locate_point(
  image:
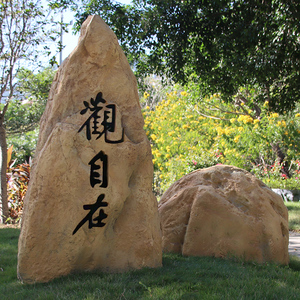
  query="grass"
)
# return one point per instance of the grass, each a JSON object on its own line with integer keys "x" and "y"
{"x": 179, "y": 278}
{"x": 294, "y": 215}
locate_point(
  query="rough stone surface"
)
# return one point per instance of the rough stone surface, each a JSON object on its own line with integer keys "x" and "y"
{"x": 224, "y": 211}
{"x": 62, "y": 173}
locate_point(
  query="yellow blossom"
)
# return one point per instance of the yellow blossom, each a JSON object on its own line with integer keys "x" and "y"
{"x": 266, "y": 104}
{"x": 236, "y": 139}
{"x": 232, "y": 120}
{"x": 227, "y": 131}
{"x": 297, "y": 115}
{"x": 168, "y": 155}
{"x": 245, "y": 119}
{"x": 274, "y": 115}
{"x": 146, "y": 95}
{"x": 184, "y": 93}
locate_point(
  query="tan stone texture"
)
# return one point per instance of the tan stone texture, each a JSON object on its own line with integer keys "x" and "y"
{"x": 60, "y": 180}
{"x": 224, "y": 211}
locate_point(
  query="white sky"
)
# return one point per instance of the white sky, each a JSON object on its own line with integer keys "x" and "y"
{"x": 70, "y": 40}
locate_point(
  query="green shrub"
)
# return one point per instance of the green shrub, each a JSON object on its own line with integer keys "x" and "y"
{"x": 187, "y": 134}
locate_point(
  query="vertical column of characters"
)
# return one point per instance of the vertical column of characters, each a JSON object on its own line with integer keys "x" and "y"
{"x": 106, "y": 114}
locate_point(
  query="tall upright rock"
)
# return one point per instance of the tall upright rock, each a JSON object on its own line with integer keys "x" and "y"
{"x": 89, "y": 203}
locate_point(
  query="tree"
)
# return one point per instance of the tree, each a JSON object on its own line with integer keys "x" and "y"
{"x": 27, "y": 107}
{"x": 25, "y": 110}
{"x": 222, "y": 45}
{"x": 22, "y": 30}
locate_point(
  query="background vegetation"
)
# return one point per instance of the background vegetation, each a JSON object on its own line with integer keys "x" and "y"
{"x": 228, "y": 91}
{"x": 188, "y": 132}
{"x": 229, "y": 95}
{"x": 220, "y": 45}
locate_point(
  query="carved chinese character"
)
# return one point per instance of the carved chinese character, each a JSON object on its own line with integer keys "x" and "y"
{"x": 93, "y": 222}
{"x": 106, "y": 113}
{"x": 99, "y": 162}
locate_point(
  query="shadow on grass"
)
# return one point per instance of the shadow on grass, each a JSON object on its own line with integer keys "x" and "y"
{"x": 294, "y": 263}
{"x": 293, "y": 206}
{"x": 294, "y": 224}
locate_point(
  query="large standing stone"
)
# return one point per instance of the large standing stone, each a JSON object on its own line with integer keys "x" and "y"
{"x": 90, "y": 204}
{"x": 222, "y": 211}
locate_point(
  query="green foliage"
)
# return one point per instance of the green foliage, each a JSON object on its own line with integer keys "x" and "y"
{"x": 222, "y": 45}
{"x": 179, "y": 278}
{"x": 24, "y": 145}
{"x": 184, "y": 138}
{"x": 25, "y": 111}
{"x": 23, "y": 114}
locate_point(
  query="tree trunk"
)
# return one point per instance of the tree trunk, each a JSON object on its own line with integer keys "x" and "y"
{"x": 3, "y": 168}
{"x": 280, "y": 159}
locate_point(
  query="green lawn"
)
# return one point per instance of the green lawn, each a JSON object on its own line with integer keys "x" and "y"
{"x": 294, "y": 215}
{"x": 179, "y": 278}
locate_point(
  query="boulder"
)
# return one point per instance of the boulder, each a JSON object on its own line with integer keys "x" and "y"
{"x": 90, "y": 204}
{"x": 224, "y": 211}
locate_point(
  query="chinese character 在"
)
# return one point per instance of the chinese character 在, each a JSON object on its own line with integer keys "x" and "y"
{"x": 97, "y": 221}
{"x": 101, "y": 121}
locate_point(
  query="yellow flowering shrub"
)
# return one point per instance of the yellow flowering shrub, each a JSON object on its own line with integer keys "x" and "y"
{"x": 184, "y": 139}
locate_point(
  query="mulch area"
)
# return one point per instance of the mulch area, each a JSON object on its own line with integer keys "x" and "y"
{"x": 9, "y": 226}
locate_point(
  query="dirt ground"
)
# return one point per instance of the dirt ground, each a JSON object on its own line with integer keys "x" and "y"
{"x": 10, "y": 226}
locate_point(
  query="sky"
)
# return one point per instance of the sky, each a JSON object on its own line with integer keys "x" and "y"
{"x": 70, "y": 40}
